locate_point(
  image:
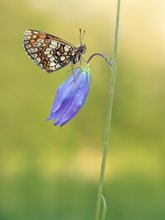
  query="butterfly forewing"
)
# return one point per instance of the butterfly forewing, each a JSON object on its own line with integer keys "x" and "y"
{"x": 50, "y": 53}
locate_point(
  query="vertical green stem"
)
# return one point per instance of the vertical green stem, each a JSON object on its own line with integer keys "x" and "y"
{"x": 108, "y": 117}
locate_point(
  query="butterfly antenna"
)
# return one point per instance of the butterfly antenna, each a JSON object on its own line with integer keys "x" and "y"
{"x": 80, "y": 36}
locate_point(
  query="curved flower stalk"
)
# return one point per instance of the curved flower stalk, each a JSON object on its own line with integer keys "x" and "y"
{"x": 71, "y": 96}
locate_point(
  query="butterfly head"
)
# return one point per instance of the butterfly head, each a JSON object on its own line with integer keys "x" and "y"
{"x": 82, "y": 48}
{"x": 79, "y": 50}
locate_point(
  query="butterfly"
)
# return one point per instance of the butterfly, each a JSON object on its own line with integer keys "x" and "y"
{"x": 51, "y": 53}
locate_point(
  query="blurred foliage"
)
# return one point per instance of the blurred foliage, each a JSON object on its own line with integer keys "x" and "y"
{"x": 50, "y": 172}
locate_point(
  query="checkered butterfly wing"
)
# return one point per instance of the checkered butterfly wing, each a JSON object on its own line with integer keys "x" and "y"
{"x": 50, "y": 53}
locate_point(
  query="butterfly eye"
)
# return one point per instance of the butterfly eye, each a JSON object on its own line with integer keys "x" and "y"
{"x": 82, "y": 49}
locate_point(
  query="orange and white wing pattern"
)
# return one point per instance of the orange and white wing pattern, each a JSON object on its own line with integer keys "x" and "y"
{"x": 50, "y": 53}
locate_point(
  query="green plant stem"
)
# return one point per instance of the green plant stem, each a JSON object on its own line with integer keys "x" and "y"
{"x": 101, "y": 55}
{"x": 108, "y": 117}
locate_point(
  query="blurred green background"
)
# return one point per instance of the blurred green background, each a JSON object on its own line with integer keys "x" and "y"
{"x": 49, "y": 172}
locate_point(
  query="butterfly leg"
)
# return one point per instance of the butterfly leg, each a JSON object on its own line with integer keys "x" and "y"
{"x": 80, "y": 61}
{"x": 74, "y": 77}
{"x": 82, "y": 58}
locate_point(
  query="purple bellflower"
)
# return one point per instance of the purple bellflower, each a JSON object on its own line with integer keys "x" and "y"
{"x": 71, "y": 96}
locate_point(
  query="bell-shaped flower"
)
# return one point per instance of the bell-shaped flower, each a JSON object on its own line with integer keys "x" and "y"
{"x": 71, "y": 96}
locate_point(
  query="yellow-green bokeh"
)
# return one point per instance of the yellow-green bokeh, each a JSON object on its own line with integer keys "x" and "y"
{"x": 52, "y": 173}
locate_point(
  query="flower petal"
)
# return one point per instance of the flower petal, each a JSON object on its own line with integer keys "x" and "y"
{"x": 70, "y": 97}
{"x": 63, "y": 91}
{"x": 75, "y": 105}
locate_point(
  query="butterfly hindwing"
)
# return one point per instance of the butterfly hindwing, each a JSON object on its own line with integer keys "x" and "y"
{"x": 50, "y": 53}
